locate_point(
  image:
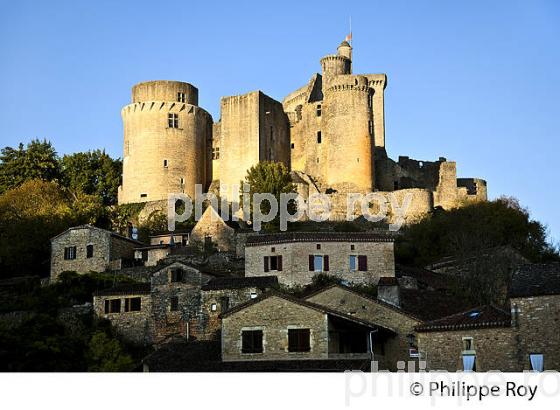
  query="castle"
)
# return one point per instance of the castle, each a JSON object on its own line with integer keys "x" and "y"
{"x": 330, "y": 133}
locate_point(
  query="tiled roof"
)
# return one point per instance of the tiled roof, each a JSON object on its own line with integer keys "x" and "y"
{"x": 305, "y": 303}
{"x": 480, "y": 317}
{"x": 431, "y": 304}
{"x": 285, "y": 237}
{"x": 261, "y": 282}
{"x": 426, "y": 278}
{"x": 537, "y": 279}
{"x": 87, "y": 226}
{"x": 125, "y": 289}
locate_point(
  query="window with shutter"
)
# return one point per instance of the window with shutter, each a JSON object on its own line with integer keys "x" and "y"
{"x": 311, "y": 262}
{"x": 362, "y": 263}
{"x": 299, "y": 340}
{"x": 279, "y": 262}
{"x": 106, "y": 306}
{"x": 251, "y": 341}
{"x": 266, "y": 263}
{"x": 326, "y": 263}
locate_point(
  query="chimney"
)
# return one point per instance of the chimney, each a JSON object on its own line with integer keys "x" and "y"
{"x": 388, "y": 291}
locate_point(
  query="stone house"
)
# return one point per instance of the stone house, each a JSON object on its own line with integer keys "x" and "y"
{"x": 86, "y": 248}
{"x": 298, "y": 256}
{"x": 212, "y": 230}
{"x": 492, "y": 338}
{"x": 150, "y": 255}
{"x": 129, "y": 308}
{"x": 401, "y": 347}
{"x": 222, "y": 294}
{"x": 179, "y": 303}
{"x": 276, "y": 326}
{"x": 171, "y": 238}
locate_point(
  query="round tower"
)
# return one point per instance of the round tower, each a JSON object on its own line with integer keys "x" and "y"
{"x": 165, "y": 137}
{"x": 339, "y": 63}
{"x": 348, "y": 127}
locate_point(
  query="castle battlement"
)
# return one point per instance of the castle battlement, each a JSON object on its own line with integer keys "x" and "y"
{"x": 331, "y": 130}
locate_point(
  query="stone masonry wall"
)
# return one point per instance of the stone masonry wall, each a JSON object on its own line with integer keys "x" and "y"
{"x": 538, "y": 328}
{"x": 346, "y": 301}
{"x": 80, "y": 238}
{"x": 274, "y": 316}
{"x": 496, "y": 349}
{"x": 295, "y": 261}
{"x": 135, "y": 327}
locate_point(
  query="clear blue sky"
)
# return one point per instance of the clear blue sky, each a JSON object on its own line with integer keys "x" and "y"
{"x": 474, "y": 81}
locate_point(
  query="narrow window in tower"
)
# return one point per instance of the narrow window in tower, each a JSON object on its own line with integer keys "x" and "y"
{"x": 182, "y": 181}
{"x": 370, "y": 126}
{"x": 292, "y": 145}
{"x": 173, "y": 120}
{"x": 318, "y": 110}
{"x": 318, "y": 137}
{"x": 165, "y": 163}
{"x": 181, "y": 97}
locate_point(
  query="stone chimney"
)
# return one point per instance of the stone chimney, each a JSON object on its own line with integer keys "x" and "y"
{"x": 388, "y": 291}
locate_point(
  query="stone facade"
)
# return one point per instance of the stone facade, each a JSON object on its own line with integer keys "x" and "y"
{"x": 211, "y": 229}
{"x": 291, "y": 257}
{"x": 538, "y": 321}
{"x": 331, "y": 131}
{"x": 274, "y": 316}
{"x": 167, "y": 139}
{"x": 495, "y": 349}
{"x": 86, "y": 249}
{"x": 344, "y": 300}
{"x": 131, "y": 320}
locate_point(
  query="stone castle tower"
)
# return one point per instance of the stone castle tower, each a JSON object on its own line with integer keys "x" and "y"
{"x": 330, "y": 133}
{"x": 166, "y": 142}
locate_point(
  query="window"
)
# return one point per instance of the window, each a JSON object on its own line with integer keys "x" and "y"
{"x": 224, "y": 303}
{"x": 352, "y": 247}
{"x": 253, "y": 295}
{"x": 318, "y": 137}
{"x": 181, "y": 97}
{"x": 165, "y": 163}
{"x": 216, "y": 153}
{"x": 70, "y": 252}
{"x": 112, "y": 306}
{"x": 469, "y": 363}
{"x": 177, "y": 275}
{"x": 319, "y": 263}
{"x": 89, "y": 251}
{"x": 273, "y": 263}
{"x": 318, "y": 246}
{"x": 298, "y": 340}
{"x": 318, "y": 110}
{"x": 353, "y": 262}
{"x": 370, "y": 126}
{"x": 132, "y": 304}
{"x": 537, "y": 362}
{"x": 174, "y": 304}
{"x": 362, "y": 263}
{"x": 468, "y": 344}
{"x": 182, "y": 181}
{"x": 173, "y": 120}
{"x": 292, "y": 145}
{"x": 273, "y": 249}
{"x": 213, "y": 307}
{"x": 251, "y": 341}
{"x": 143, "y": 195}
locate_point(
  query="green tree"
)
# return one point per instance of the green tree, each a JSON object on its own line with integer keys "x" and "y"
{"x": 273, "y": 178}
{"x": 92, "y": 173}
{"x": 33, "y": 213}
{"x": 106, "y": 354}
{"x": 36, "y": 161}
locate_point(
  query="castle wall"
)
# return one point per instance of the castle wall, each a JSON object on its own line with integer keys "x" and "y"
{"x": 254, "y": 128}
{"x": 158, "y": 158}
